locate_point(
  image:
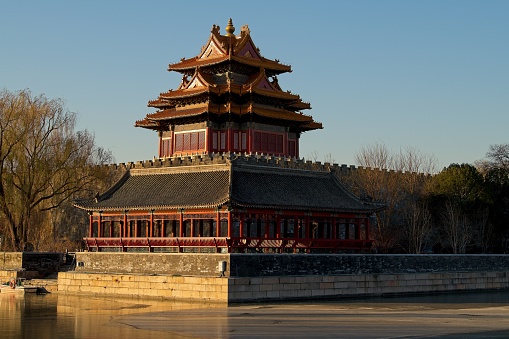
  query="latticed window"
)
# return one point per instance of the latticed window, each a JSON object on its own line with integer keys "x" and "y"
{"x": 223, "y": 141}
{"x": 190, "y": 141}
{"x": 268, "y": 143}
{"x": 236, "y": 141}
{"x": 214, "y": 141}
{"x": 165, "y": 147}
{"x": 179, "y": 142}
{"x": 244, "y": 141}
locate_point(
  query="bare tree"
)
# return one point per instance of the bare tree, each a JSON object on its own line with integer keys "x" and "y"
{"x": 419, "y": 225}
{"x": 457, "y": 227}
{"x": 43, "y": 161}
{"x": 397, "y": 179}
{"x": 329, "y": 158}
{"x": 313, "y": 155}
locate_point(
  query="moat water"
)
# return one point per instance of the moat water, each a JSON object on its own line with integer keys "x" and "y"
{"x": 468, "y": 315}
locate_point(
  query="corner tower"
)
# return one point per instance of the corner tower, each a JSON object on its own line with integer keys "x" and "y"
{"x": 229, "y": 100}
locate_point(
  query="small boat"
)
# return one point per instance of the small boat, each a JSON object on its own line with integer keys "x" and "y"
{"x": 17, "y": 286}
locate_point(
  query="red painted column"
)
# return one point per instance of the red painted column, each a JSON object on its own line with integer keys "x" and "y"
{"x": 151, "y": 228}
{"x": 228, "y": 139}
{"x": 112, "y": 224}
{"x": 172, "y": 143}
{"x": 192, "y": 228}
{"x": 124, "y": 229}
{"x": 181, "y": 224}
{"x": 218, "y": 224}
{"x": 230, "y": 224}
{"x": 241, "y": 225}
{"x": 249, "y": 140}
{"x": 99, "y": 227}
{"x": 91, "y": 226}
{"x": 160, "y": 147}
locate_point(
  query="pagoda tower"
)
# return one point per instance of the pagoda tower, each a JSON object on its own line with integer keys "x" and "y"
{"x": 228, "y": 177}
{"x": 229, "y": 100}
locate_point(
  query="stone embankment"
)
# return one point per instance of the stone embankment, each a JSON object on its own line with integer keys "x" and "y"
{"x": 265, "y": 277}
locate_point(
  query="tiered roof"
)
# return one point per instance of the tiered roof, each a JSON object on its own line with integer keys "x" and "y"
{"x": 229, "y": 78}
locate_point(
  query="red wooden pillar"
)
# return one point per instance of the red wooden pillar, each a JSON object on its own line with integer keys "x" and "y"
{"x": 91, "y": 226}
{"x": 229, "y": 139}
{"x": 249, "y": 140}
{"x": 241, "y": 225}
{"x": 99, "y": 227}
{"x": 112, "y": 224}
{"x": 230, "y": 224}
{"x": 151, "y": 228}
{"x": 192, "y": 228}
{"x": 160, "y": 150}
{"x": 124, "y": 228}
{"x": 218, "y": 224}
{"x": 181, "y": 224}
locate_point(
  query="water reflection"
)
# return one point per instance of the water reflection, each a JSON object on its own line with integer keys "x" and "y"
{"x": 468, "y": 315}
{"x": 67, "y": 316}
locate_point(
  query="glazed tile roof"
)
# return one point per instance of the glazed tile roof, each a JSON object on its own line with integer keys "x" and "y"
{"x": 258, "y": 187}
{"x": 243, "y": 186}
{"x": 146, "y": 190}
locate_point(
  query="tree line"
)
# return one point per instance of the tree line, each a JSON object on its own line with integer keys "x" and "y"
{"x": 464, "y": 208}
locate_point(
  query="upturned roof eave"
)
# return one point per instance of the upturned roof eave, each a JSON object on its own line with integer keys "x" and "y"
{"x": 146, "y": 207}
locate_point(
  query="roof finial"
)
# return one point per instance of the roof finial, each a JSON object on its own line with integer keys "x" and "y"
{"x": 229, "y": 28}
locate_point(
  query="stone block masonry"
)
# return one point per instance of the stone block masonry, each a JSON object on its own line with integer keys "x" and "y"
{"x": 211, "y": 289}
{"x": 267, "y": 277}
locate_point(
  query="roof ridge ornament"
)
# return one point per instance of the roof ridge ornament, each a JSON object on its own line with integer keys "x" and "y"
{"x": 229, "y": 28}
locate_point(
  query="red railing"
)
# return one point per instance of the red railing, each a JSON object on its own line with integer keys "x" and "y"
{"x": 229, "y": 245}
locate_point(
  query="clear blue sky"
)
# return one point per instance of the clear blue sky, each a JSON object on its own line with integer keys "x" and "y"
{"x": 433, "y": 75}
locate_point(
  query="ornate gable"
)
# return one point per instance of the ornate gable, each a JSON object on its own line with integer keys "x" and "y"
{"x": 212, "y": 49}
{"x": 248, "y": 50}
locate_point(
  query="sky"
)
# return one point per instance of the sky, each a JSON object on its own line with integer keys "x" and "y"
{"x": 428, "y": 75}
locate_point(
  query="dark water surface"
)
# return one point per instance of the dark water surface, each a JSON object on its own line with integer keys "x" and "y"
{"x": 469, "y": 315}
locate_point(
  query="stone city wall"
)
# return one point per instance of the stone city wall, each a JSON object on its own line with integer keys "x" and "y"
{"x": 336, "y": 286}
{"x": 265, "y": 277}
